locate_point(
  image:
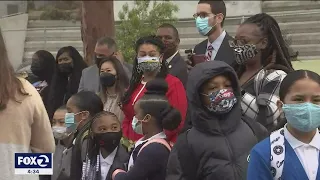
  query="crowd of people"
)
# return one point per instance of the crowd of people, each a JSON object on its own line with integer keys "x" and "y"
{"x": 219, "y": 114}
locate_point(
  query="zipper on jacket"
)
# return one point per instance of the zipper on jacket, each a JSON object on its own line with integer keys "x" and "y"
{"x": 232, "y": 155}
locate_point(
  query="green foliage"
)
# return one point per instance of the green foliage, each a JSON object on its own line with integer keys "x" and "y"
{"x": 141, "y": 20}
{"x": 30, "y": 5}
{"x": 61, "y": 10}
{"x": 52, "y": 13}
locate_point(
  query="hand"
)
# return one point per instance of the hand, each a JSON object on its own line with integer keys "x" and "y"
{"x": 119, "y": 56}
{"x": 189, "y": 61}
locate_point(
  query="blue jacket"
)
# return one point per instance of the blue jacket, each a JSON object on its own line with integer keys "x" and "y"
{"x": 259, "y": 163}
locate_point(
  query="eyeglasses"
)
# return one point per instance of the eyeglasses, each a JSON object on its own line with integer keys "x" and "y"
{"x": 202, "y": 15}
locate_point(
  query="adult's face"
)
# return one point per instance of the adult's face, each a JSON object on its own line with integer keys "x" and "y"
{"x": 65, "y": 63}
{"x": 214, "y": 20}
{"x": 251, "y": 34}
{"x": 64, "y": 58}
{"x": 102, "y": 51}
{"x": 37, "y": 67}
{"x": 169, "y": 39}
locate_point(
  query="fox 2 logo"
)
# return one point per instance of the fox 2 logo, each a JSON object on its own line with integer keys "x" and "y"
{"x": 33, "y": 160}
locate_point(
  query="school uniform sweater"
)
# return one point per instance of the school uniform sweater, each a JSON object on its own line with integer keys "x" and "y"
{"x": 150, "y": 164}
{"x": 176, "y": 96}
{"x": 24, "y": 127}
{"x": 259, "y": 163}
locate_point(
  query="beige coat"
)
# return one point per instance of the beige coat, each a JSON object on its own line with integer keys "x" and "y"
{"x": 24, "y": 127}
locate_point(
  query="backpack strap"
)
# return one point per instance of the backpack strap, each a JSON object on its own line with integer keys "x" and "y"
{"x": 277, "y": 153}
{"x": 157, "y": 140}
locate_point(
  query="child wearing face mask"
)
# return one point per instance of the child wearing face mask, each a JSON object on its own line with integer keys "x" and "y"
{"x": 153, "y": 114}
{"x": 105, "y": 153}
{"x": 63, "y": 142}
{"x": 294, "y": 149}
{"x": 217, "y": 145}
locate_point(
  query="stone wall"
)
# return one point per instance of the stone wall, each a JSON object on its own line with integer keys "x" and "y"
{"x": 14, "y": 30}
{"x": 22, "y": 7}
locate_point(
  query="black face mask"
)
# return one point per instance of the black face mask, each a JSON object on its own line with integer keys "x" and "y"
{"x": 37, "y": 70}
{"x": 107, "y": 79}
{"x": 98, "y": 60}
{"x": 108, "y": 141}
{"x": 66, "y": 68}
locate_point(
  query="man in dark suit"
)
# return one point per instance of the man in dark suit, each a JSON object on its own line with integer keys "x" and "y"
{"x": 176, "y": 64}
{"x": 105, "y": 47}
{"x": 210, "y": 18}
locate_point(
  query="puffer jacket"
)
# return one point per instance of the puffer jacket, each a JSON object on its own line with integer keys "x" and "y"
{"x": 217, "y": 146}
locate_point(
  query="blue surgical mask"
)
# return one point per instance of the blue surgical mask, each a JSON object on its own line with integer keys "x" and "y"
{"x": 136, "y": 126}
{"x": 304, "y": 117}
{"x": 203, "y": 25}
{"x": 70, "y": 122}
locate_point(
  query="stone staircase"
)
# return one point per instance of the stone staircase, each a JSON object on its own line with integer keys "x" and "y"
{"x": 299, "y": 19}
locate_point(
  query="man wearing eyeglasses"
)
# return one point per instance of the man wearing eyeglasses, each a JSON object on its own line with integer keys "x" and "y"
{"x": 209, "y": 19}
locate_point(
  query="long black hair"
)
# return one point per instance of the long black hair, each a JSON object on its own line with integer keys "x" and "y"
{"x": 122, "y": 81}
{"x": 155, "y": 103}
{"x": 276, "y": 55}
{"x": 137, "y": 75}
{"x": 48, "y": 61}
{"x": 62, "y": 88}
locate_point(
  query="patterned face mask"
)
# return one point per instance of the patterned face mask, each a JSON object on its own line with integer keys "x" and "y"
{"x": 243, "y": 53}
{"x": 221, "y": 101}
{"x": 148, "y": 64}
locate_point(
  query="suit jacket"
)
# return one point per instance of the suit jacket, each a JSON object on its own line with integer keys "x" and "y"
{"x": 178, "y": 68}
{"x": 225, "y": 52}
{"x": 119, "y": 161}
{"x": 90, "y": 80}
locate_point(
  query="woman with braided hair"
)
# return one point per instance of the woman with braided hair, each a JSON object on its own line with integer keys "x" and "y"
{"x": 147, "y": 66}
{"x": 263, "y": 60}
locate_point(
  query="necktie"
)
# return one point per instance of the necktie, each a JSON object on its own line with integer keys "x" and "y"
{"x": 209, "y": 52}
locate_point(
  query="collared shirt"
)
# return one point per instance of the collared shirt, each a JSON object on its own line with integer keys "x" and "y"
{"x": 161, "y": 135}
{"x": 171, "y": 57}
{"x": 106, "y": 163}
{"x": 308, "y": 154}
{"x": 216, "y": 45}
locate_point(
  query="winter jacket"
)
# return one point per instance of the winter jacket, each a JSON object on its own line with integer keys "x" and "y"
{"x": 217, "y": 146}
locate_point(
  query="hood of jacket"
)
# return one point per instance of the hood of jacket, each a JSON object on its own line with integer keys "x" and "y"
{"x": 202, "y": 119}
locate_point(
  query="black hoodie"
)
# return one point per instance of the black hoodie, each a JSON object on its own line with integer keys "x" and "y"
{"x": 217, "y": 145}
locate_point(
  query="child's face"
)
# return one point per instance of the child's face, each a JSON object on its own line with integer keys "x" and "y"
{"x": 214, "y": 84}
{"x": 106, "y": 123}
{"x": 58, "y": 118}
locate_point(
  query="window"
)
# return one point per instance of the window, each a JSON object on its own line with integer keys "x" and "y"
{"x": 12, "y": 9}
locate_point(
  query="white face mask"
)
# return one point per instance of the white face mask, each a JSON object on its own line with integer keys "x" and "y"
{"x": 148, "y": 59}
{"x": 59, "y": 132}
